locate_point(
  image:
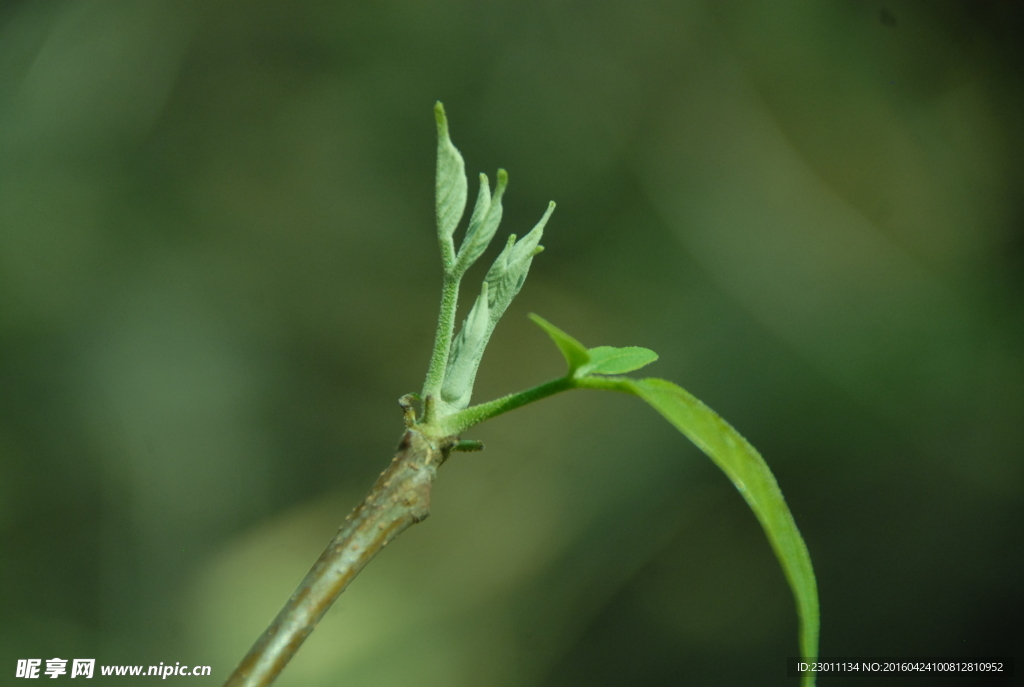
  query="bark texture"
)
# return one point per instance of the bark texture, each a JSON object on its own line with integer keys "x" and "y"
{"x": 399, "y": 498}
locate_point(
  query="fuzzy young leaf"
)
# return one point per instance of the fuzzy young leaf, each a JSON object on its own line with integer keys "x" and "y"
{"x": 500, "y": 286}
{"x": 467, "y": 350}
{"x": 750, "y": 474}
{"x": 610, "y": 360}
{"x": 483, "y": 204}
{"x": 510, "y": 268}
{"x": 575, "y": 353}
{"x": 483, "y": 223}
{"x": 451, "y": 190}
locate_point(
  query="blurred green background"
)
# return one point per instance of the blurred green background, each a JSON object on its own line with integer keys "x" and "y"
{"x": 218, "y": 272}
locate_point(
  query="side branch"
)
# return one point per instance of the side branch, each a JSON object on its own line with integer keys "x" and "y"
{"x": 399, "y": 498}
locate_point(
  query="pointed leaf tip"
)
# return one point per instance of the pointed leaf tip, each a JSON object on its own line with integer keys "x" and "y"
{"x": 575, "y": 353}
{"x": 451, "y": 184}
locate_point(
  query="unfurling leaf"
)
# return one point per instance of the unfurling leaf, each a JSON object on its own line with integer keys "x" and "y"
{"x": 602, "y": 360}
{"x": 724, "y": 445}
{"x": 510, "y": 268}
{"x": 467, "y": 350}
{"x": 451, "y": 184}
{"x": 575, "y": 353}
{"x": 483, "y": 204}
{"x": 483, "y": 223}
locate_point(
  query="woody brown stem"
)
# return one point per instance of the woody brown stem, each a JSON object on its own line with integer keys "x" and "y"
{"x": 399, "y": 498}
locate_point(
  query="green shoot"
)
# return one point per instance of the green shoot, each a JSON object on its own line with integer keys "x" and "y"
{"x": 401, "y": 496}
{"x": 737, "y": 458}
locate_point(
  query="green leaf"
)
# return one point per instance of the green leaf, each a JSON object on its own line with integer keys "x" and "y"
{"x": 467, "y": 350}
{"x": 483, "y": 223}
{"x": 751, "y": 476}
{"x": 483, "y": 205}
{"x": 510, "y": 268}
{"x": 452, "y": 187}
{"x": 575, "y": 353}
{"x": 609, "y": 360}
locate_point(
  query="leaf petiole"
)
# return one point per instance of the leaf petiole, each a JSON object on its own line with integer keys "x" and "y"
{"x": 459, "y": 422}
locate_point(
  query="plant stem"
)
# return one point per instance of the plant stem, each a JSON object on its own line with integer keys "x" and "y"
{"x": 623, "y": 384}
{"x": 445, "y": 332}
{"x": 459, "y": 422}
{"x": 399, "y": 498}
{"x": 456, "y": 423}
